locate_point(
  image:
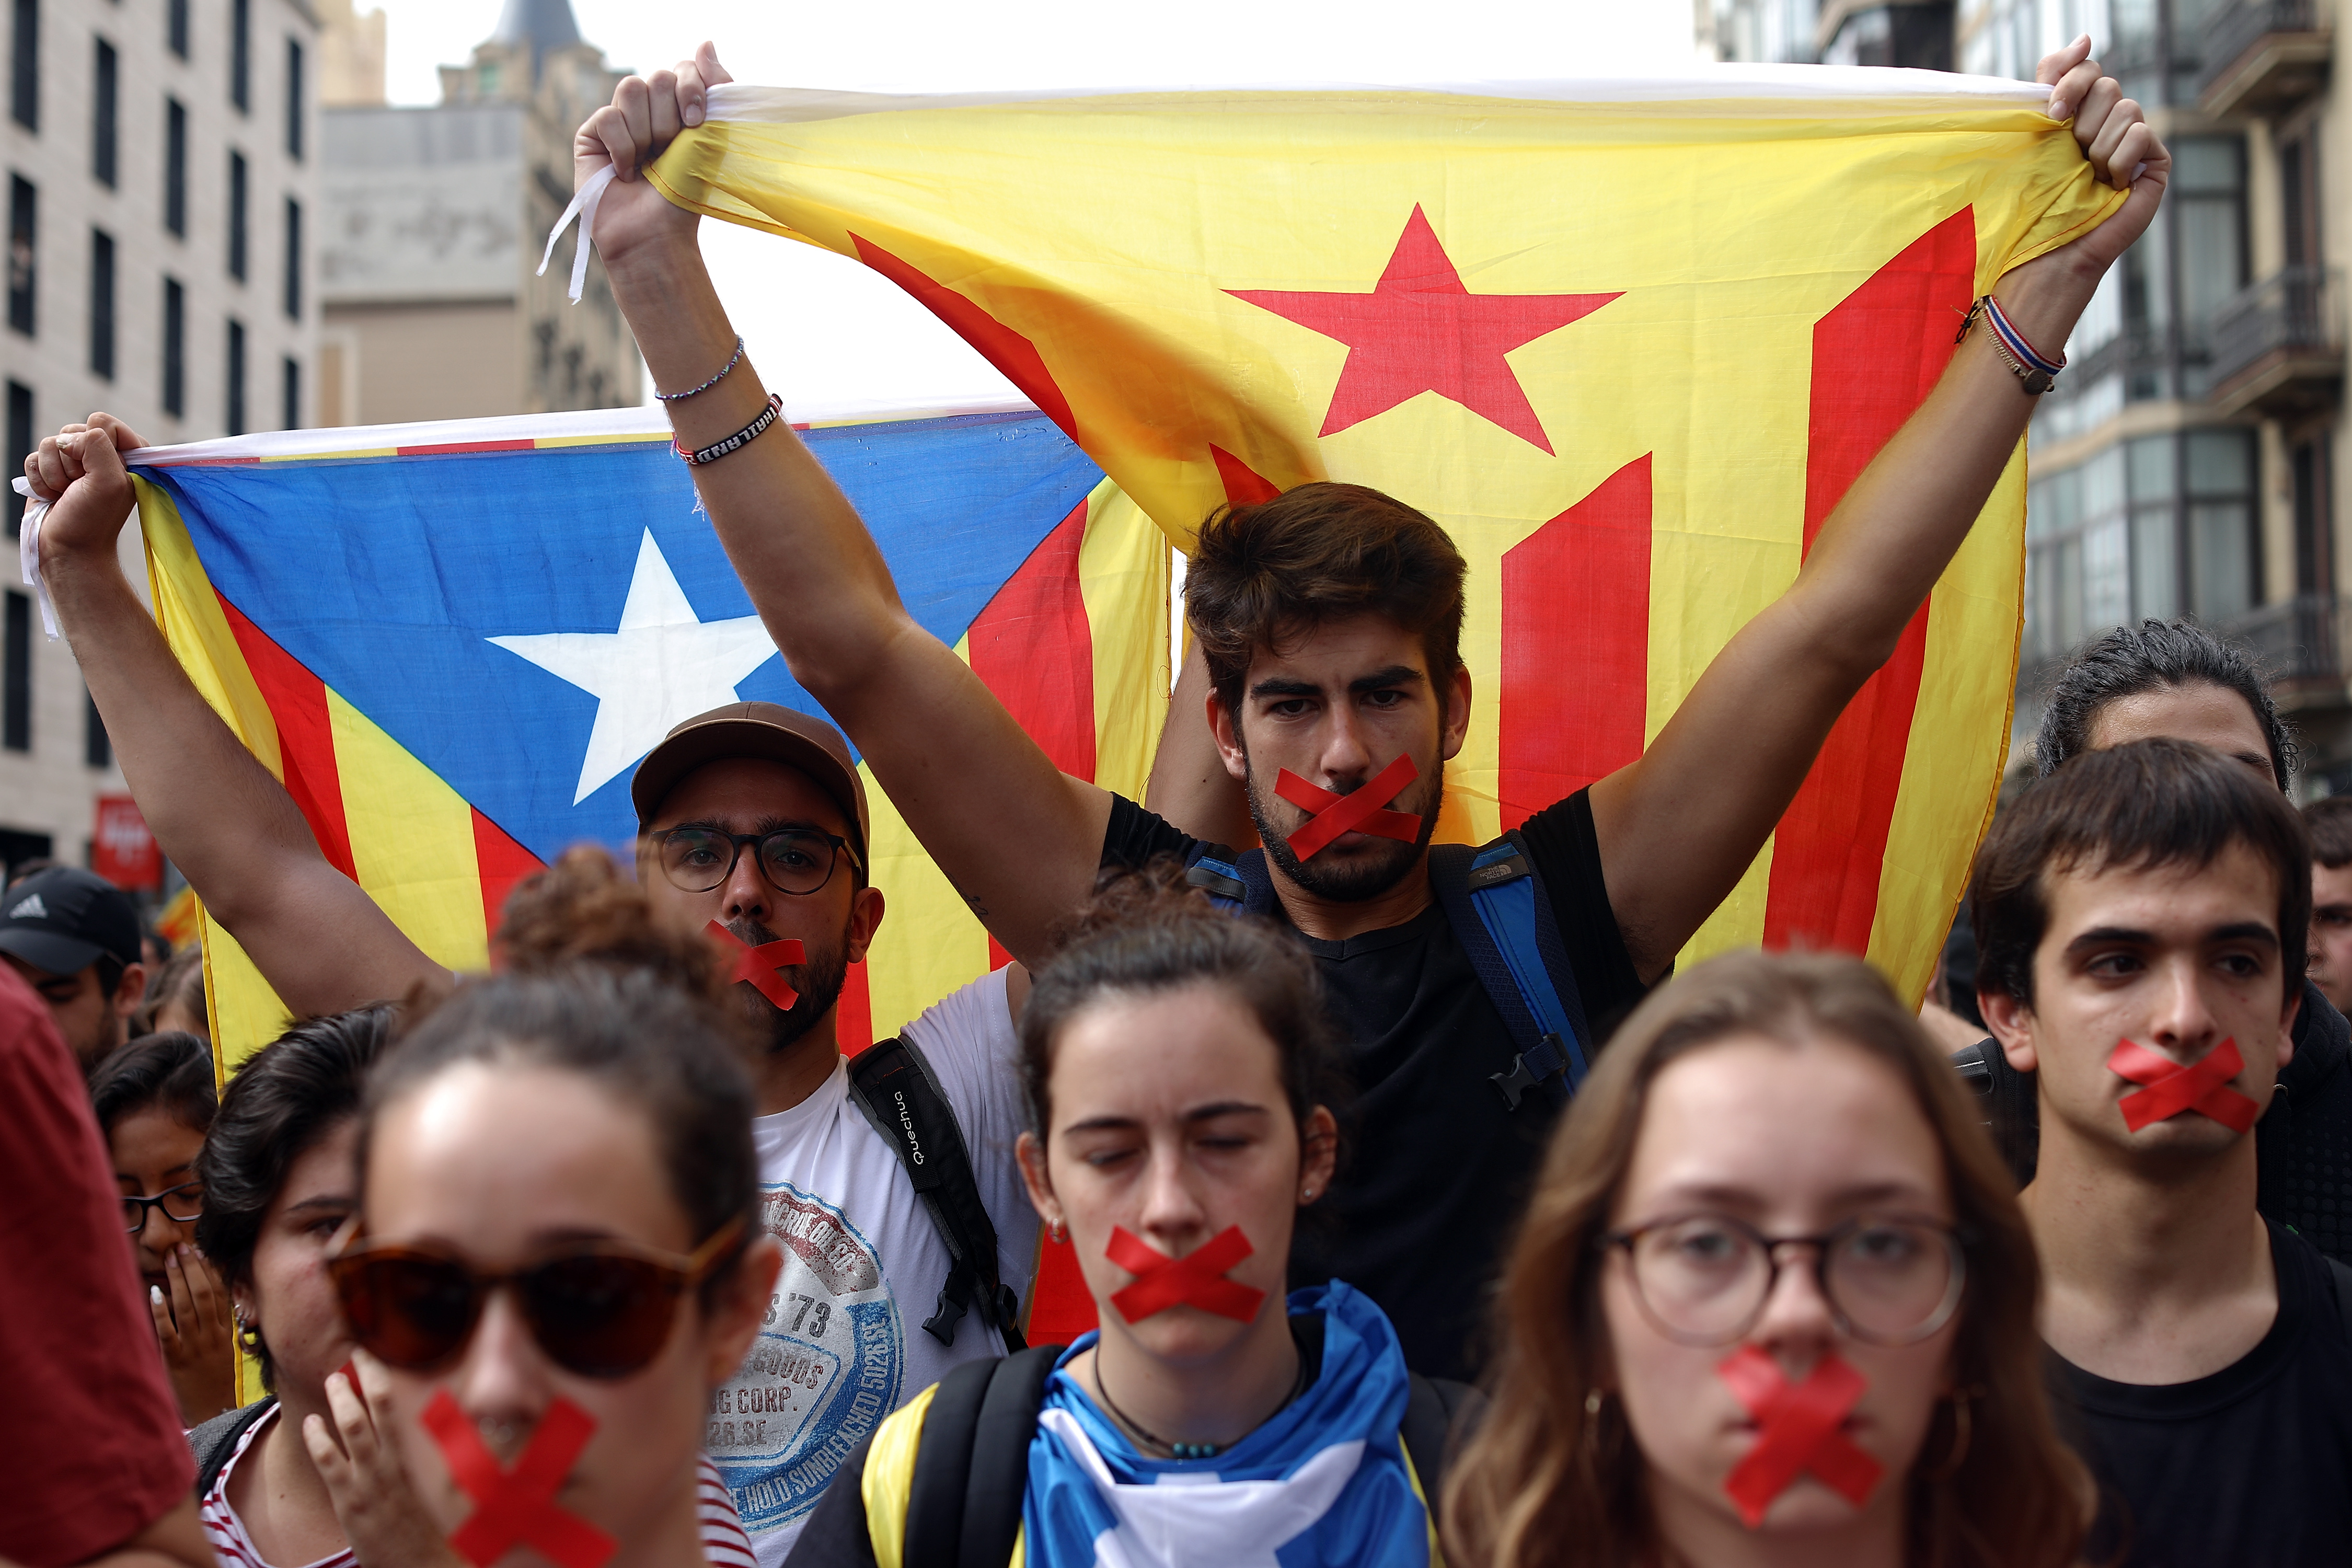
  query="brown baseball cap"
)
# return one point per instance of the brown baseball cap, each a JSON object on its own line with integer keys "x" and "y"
{"x": 764, "y": 730}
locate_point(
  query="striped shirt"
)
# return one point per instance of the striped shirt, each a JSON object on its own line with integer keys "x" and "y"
{"x": 724, "y": 1544}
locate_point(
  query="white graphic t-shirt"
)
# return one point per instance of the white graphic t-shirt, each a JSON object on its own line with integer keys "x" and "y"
{"x": 844, "y": 1343}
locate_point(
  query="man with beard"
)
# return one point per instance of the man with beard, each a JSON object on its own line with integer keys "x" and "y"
{"x": 750, "y": 816}
{"x": 1331, "y": 618}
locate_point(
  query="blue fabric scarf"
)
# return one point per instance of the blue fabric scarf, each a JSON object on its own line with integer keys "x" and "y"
{"x": 1322, "y": 1485}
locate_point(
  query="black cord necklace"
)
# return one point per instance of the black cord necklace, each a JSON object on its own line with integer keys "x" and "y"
{"x": 1184, "y": 1450}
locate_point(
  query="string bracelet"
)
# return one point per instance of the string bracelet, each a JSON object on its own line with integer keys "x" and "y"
{"x": 743, "y": 438}
{"x": 732, "y": 360}
{"x": 2037, "y": 370}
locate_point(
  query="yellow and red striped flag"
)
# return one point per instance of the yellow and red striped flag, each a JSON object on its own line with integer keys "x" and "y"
{"x": 1629, "y": 342}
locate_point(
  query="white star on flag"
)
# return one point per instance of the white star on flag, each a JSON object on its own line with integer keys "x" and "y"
{"x": 660, "y": 667}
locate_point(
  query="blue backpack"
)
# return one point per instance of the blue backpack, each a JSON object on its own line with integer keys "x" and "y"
{"x": 1496, "y": 905}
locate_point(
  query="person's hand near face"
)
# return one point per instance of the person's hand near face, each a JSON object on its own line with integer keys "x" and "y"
{"x": 357, "y": 1457}
{"x": 1788, "y": 1142}
{"x": 195, "y": 1327}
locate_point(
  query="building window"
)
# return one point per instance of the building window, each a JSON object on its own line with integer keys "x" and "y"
{"x": 236, "y": 207}
{"x": 293, "y": 260}
{"x": 289, "y": 393}
{"x": 240, "y": 54}
{"x": 176, "y": 166}
{"x": 16, "y": 675}
{"x": 104, "y": 116}
{"x": 175, "y": 348}
{"x": 2224, "y": 561}
{"x": 2209, "y": 214}
{"x": 24, "y": 80}
{"x": 235, "y": 388}
{"x": 177, "y": 27}
{"x": 294, "y": 98}
{"x": 102, "y": 304}
{"x": 22, "y": 251}
{"x": 97, "y": 750}
{"x": 20, "y": 447}
{"x": 2314, "y": 554}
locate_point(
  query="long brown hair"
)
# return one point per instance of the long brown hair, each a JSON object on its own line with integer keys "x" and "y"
{"x": 1546, "y": 1485}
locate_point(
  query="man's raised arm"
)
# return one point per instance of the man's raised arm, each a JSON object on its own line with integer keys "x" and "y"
{"x": 1018, "y": 838}
{"x": 319, "y": 940}
{"x": 1678, "y": 827}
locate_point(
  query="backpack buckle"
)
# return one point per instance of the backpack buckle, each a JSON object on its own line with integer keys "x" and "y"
{"x": 1530, "y": 1070}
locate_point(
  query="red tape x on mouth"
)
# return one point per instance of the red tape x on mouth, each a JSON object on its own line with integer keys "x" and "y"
{"x": 1800, "y": 1431}
{"x": 2173, "y": 1089}
{"x": 758, "y": 966}
{"x": 1195, "y": 1279}
{"x": 519, "y": 1505}
{"x": 1362, "y": 810}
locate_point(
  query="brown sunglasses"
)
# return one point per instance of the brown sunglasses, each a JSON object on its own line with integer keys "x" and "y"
{"x": 602, "y": 1310}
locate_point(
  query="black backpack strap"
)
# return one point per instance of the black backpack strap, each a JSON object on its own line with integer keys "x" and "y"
{"x": 1495, "y": 900}
{"x": 971, "y": 1465}
{"x": 2340, "y": 1276}
{"x": 1236, "y": 883}
{"x": 891, "y": 1083}
{"x": 1440, "y": 1415}
{"x": 212, "y": 1442}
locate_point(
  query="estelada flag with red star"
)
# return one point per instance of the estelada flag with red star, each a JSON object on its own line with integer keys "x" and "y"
{"x": 1629, "y": 342}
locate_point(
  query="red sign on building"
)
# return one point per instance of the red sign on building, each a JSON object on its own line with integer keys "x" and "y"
{"x": 121, "y": 849}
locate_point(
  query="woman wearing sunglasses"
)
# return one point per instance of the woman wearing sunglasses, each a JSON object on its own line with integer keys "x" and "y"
{"x": 154, "y": 1102}
{"x": 556, "y": 1258}
{"x": 1180, "y": 1075}
{"x": 1773, "y": 1303}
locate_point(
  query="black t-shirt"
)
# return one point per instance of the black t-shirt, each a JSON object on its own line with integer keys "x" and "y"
{"x": 2250, "y": 1468}
{"x": 1438, "y": 1166}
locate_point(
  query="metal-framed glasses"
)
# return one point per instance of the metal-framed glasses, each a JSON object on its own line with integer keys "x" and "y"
{"x": 180, "y": 1205}
{"x": 1703, "y": 1278}
{"x": 795, "y": 860}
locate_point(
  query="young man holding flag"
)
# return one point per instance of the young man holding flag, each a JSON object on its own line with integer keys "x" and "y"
{"x": 1343, "y": 676}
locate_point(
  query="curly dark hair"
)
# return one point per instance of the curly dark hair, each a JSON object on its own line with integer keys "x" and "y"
{"x": 593, "y": 986}
{"x": 282, "y": 1101}
{"x": 1275, "y": 570}
{"x": 2129, "y": 661}
{"x": 170, "y": 1072}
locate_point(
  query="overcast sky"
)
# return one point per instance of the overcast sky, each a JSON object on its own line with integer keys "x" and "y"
{"x": 824, "y": 330}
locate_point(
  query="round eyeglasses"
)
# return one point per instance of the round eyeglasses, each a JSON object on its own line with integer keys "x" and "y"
{"x": 795, "y": 860}
{"x": 1703, "y": 1279}
{"x": 180, "y": 1205}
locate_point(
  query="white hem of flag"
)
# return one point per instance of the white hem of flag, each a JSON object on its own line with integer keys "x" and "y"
{"x": 1802, "y": 90}
{"x": 581, "y": 428}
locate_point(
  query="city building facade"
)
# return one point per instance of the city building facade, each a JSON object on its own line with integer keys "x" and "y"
{"x": 161, "y": 158}
{"x": 434, "y": 221}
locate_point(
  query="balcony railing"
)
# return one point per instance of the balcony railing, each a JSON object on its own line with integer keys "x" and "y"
{"x": 2263, "y": 56}
{"x": 2279, "y": 345}
{"x": 2296, "y": 640}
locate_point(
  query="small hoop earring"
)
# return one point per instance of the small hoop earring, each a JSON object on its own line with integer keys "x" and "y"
{"x": 1950, "y": 1465}
{"x": 249, "y": 1332}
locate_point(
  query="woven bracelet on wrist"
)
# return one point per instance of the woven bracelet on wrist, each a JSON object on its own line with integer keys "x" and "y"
{"x": 732, "y": 361}
{"x": 2037, "y": 370}
{"x": 743, "y": 438}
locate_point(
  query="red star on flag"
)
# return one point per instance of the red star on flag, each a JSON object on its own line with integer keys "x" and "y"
{"x": 1420, "y": 331}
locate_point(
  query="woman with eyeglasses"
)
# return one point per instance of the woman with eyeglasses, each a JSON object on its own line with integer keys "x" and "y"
{"x": 1181, "y": 1076}
{"x": 555, "y": 1259}
{"x": 1773, "y": 1301}
{"x": 154, "y": 1102}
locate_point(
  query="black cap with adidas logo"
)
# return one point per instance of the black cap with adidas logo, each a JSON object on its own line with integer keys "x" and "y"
{"x": 65, "y": 919}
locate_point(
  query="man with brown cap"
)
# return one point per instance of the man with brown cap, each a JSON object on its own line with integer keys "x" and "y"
{"x": 750, "y": 816}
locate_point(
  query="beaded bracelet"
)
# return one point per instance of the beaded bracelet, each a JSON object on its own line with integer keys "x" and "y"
{"x": 714, "y": 381}
{"x": 712, "y": 453}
